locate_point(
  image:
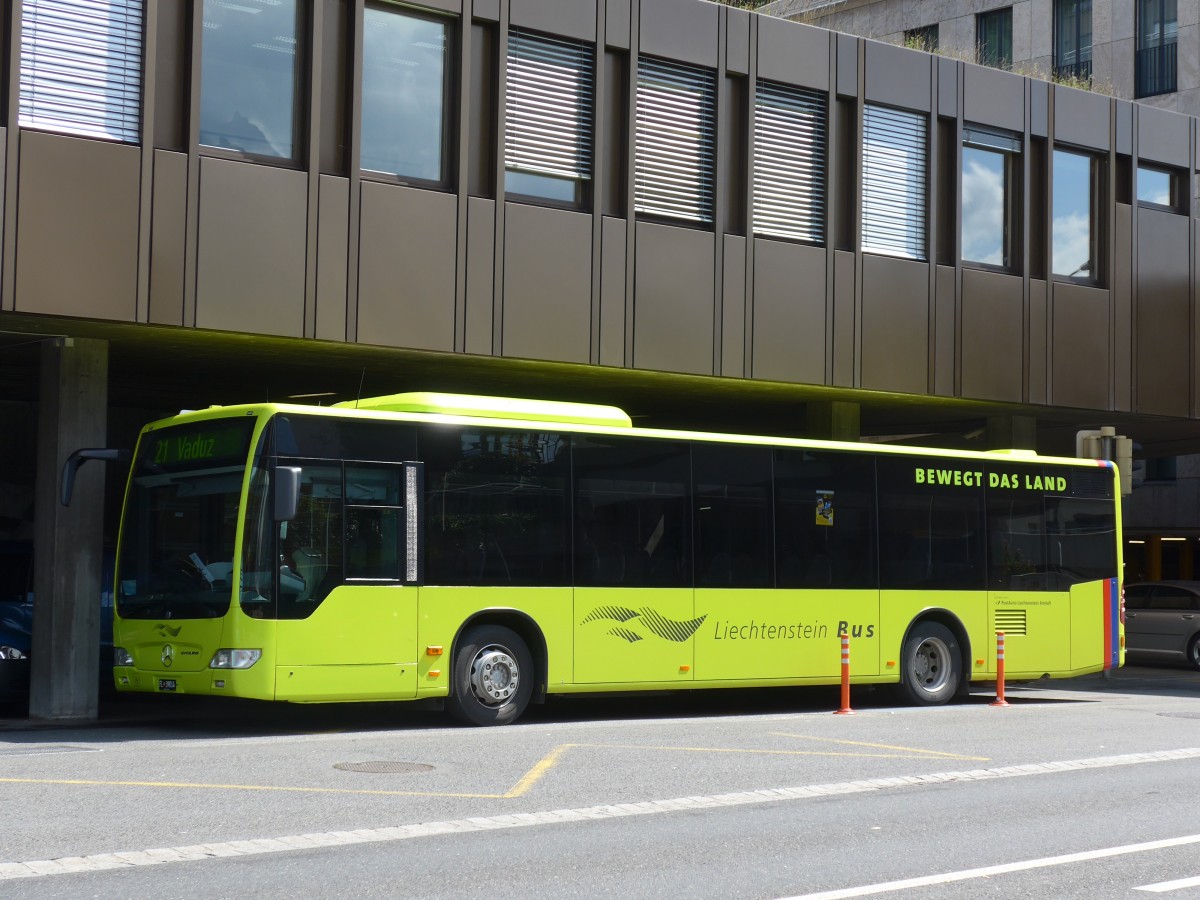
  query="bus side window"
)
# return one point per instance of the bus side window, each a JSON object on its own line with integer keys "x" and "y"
{"x": 374, "y": 517}
{"x": 310, "y": 545}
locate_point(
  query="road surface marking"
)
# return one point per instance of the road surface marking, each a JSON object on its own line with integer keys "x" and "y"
{"x": 1003, "y": 869}
{"x": 905, "y": 752}
{"x": 121, "y": 860}
{"x": 1164, "y": 887}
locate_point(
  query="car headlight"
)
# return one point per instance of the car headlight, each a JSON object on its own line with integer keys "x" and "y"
{"x": 11, "y": 653}
{"x": 234, "y": 659}
{"x": 122, "y": 657}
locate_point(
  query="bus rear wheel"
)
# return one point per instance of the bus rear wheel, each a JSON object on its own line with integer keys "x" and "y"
{"x": 931, "y": 665}
{"x": 493, "y": 676}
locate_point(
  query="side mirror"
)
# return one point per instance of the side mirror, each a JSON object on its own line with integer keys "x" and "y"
{"x": 287, "y": 492}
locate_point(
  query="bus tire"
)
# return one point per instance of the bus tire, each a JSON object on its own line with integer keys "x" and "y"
{"x": 931, "y": 665}
{"x": 493, "y": 676}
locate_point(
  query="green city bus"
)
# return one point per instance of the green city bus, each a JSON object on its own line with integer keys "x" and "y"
{"x": 490, "y": 551}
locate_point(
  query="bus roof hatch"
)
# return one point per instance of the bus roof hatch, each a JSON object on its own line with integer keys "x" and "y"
{"x": 495, "y": 408}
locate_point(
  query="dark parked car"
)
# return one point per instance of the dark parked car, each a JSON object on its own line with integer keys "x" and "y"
{"x": 16, "y": 622}
{"x": 1162, "y": 621}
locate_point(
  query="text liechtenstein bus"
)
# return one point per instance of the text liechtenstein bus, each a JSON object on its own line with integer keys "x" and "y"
{"x": 491, "y": 551}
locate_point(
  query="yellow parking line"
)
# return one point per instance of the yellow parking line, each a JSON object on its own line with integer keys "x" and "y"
{"x": 534, "y": 775}
{"x": 906, "y": 751}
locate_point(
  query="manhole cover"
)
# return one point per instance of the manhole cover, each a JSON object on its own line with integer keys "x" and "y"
{"x": 1187, "y": 715}
{"x": 384, "y": 767}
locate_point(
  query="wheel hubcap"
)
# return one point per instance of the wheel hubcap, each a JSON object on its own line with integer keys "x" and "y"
{"x": 494, "y": 675}
{"x": 931, "y": 664}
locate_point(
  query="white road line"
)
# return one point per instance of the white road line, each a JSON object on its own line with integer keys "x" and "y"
{"x": 122, "y": 860}
{"x": 1164, "y": 887}
{"x": 1003, "y": 869}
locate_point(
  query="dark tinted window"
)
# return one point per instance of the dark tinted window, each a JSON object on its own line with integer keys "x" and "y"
{"x": 1081, "y": 536}
{"x": 495, "y": 506}
{"x": 325, "y": 438}
{"x": 733, "y": 515}
{"x": 374, "y": 521}
{"x": 931, "y": 523}
{"x": 631, "y": 512}
{"x": 1138, "y": 597}
{"x": 1169, "y": 597}
{"x": 825, "y": 519}
{"x": 310, "y": 545}
{"x": 1016, "y": 532}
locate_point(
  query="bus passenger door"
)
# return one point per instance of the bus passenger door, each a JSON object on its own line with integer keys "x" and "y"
{"x": 347, "y": 595}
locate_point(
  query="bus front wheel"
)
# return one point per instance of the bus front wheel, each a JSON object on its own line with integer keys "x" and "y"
{"x": 493, "y": 676}
{"x": 931, "y": 665}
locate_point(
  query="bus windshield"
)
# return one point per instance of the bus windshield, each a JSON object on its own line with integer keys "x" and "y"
{"x": 180, "y": 523}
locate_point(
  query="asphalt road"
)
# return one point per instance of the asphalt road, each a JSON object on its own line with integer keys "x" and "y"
{"x": 1079, "y": 789}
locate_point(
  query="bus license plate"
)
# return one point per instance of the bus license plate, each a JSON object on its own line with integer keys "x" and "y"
{"x": 166, "y": 684}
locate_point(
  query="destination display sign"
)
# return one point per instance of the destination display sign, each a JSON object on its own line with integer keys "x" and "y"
{"x": 201, "y": 445}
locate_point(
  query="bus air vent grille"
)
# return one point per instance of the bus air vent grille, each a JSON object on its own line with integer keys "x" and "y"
{"x": 1010, "y": 621}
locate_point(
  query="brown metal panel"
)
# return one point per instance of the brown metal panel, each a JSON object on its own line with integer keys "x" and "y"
{"x": 843, "y": 318}
{"x": 616, "y": 24}
{"x": 947, "y": 87}
{"x": 407, "y": 267}
{"x": 733, "y": 308}
{"x": 1038, "y": 388}
{"x": 1081, "y": 118}
{"x": 1163, "y": 136}
{"x": 794, "y": 53}
{"x": 486, "y": 9}
{"x": 992, "y": 97}
{"x": 1039, "y": 108}
{"x": 673, "y": 307}
{"x": 992, "y": 335}
{"x": 897, "y": 76}
{"x": 547, "y": 283}
{"x": 333, "y": 224}
{"x": 568, "y": 18}
{"x": 847, "y": 64}
{"x": 168, "y": 224}
{"x": 895, "y": 325}
{"x": 612, "y": 292}
{"x": 251, "y": 255}
{"x": 682, "y": 30}
{"x": 1163, "y": 314}
{"x": 481, "y": 281}
{"x": 1123, "y": 308}
{"x": 789, "y": 312}
{"x": 737, "y": 43}
{"x": 77, "y": 218}
{"x": 1079, "y": 346}
{"x": 944, "y": 330}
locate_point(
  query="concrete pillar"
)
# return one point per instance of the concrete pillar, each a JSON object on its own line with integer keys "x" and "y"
{"x": 68, "y": 541}
{"x": 833, "y": 420}
{"x": 1012, "y": 433}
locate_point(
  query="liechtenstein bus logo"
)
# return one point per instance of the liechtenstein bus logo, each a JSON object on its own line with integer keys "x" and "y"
{"x": 167, "y": 630}
{"x": 655, "y": 622}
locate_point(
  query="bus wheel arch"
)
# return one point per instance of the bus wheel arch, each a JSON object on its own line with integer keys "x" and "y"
{"x": 934, "y": 657}
{"x": 497, "y": 666}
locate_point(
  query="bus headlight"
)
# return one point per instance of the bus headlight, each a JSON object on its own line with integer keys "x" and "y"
{"x": 234, "y": 659}
{"x": 122, "y": 657}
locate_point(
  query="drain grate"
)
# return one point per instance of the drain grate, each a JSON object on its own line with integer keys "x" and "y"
{"x": 1183, "y": 715}
{"x": 383, "y": 767}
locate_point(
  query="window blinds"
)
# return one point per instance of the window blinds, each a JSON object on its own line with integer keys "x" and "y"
{"x": 81, "y": 67}
{"x": 789, "y": 162}
{"x": 894, "y": 182}
{"x": 548, "y": 107}
{"x": 676, "y": 124}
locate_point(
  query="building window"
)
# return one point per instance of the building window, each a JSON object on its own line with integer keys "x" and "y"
{"x": 924, "y": 38}
{"x": 548, "y": 118}
{"x": 674, "y": 169}
{"x": 789, "y": 162}
{"x": 81, "y": 67}
{"x": 894, "y": 182}
{"x": 1161, "y": 188}
{"x": 1073, "y": 39}
{"x": 990, "y": 192}
{"x": 249, "y": 69}
{"x": 993, "y": 38}
{"x": 404, "y": 94}
{"x": 1075, "y": 239}
{"x": 1157, "y": 31}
